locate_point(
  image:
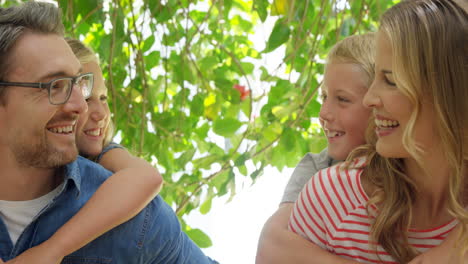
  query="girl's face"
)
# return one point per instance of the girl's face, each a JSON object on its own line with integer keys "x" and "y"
{"x": 92, "y": 125}
{"x": 392, "y": 109}
{"x": 343, "y": 116}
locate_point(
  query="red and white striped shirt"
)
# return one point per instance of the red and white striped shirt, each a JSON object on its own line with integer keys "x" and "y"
{"x": 331, "y": 212}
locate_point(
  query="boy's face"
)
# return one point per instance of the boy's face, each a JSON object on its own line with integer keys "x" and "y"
{"x": 343, "y": 116}
{"x": 34, "y": 132}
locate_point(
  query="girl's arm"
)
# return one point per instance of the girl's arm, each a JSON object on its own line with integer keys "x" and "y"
{"x": 122, "y": 196}
{"x": 447, "y": 252}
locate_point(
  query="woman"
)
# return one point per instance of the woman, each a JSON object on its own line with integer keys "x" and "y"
{"x": 410, "y": 190}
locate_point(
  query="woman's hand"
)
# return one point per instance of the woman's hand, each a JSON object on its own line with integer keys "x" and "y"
{"x": 440, "y": 254}
{"x": 447, "y": 252}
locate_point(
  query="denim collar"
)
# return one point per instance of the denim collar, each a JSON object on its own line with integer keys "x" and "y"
{"x": 72, "y": 175}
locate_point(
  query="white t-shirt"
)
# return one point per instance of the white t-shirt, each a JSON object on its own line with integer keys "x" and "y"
{"x": 19, "y": 214}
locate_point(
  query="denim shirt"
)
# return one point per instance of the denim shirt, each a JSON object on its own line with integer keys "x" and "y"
{"x": 153, "y": 236}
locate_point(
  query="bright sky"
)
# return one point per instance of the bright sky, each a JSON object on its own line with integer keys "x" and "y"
{"x": 234, "y": 227}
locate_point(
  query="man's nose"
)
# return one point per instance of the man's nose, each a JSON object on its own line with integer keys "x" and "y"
{"x": 76, "y": 103}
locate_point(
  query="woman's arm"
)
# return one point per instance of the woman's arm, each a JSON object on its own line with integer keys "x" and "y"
{"x": 122, "y": 196}
{"x": 279, "y": 245}
{"x": 447, "y": 252}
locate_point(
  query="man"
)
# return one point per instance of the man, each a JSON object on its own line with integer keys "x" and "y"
{"x": 42, "y": 183}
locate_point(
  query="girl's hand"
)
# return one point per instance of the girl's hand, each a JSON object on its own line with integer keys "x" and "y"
{"x": 40, "y": 254}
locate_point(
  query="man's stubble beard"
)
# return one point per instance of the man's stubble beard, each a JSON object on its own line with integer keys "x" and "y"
{"x": 42, "y": 154}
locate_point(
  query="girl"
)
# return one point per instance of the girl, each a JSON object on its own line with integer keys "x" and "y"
{"x": 134, "y": 184}
{"x": 410, "y": 189}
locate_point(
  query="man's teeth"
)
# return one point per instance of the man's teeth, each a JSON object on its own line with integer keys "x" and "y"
{"x": 386, "y": 123}
{"x": 64, "y": 129}
{"x": 95, "y": 132}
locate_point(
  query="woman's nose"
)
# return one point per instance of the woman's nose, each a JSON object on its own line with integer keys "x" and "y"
{"x": 371, "y": 98}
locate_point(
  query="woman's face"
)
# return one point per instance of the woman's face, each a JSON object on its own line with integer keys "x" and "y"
{"x": 392, "y": 109}
{"x": 343, "y": 116}
{"x": 92, "y": 125}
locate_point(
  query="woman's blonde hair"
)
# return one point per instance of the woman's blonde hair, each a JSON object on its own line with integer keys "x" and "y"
{"x": 86, "y": 55}
{"x": 430, "y": 60}
{"x": 358, "y": 50}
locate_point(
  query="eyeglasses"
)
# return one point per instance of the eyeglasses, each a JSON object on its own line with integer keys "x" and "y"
{"x": 60, "y": 89}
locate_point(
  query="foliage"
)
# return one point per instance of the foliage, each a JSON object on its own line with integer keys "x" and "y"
{"x": 191, "y": 93}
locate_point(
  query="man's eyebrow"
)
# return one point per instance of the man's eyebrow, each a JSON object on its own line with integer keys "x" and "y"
{"x": 60, "y": 74}
{"x": 53, "y": 75}
{"x": 387, "y": 72}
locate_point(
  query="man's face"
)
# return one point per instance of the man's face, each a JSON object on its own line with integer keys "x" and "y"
{"x": 33, "y": 132}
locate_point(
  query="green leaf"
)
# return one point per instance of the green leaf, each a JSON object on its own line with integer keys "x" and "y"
{"x": 260, "y": 6}
{"x": 278, "y": 157}
{"x": 208, "y": 63}
{"x": 279, "y": 35}
{"x": 226, "y": 127}
{"x": 220, "y": 181}
{"x": 200, "y": 238}
{"x": 148, "y": 43}
{"x": 205, "y": 162}
{"x": 283, "y": 111}
{"x": 186, "y": 157}
{"x": 256, "y": 173}
{"x": 313, "y": 108}
{"x": 227, "y": 7}
{"x": 162, "y": 13}
{"x": 206, "y": 206}
{"x": 197, "y": 107}
{"x": 202, "y": 131}
{"x": 278, "y": 91}
{"x": 317, "y": 144}
{"x": 247, "y": 67}
{"x": 241, "y": 159}
{"x": 152, "y": 59}
{"x": 288, "y": 139}
{"x": 243, "y": 170}
{"x": 272, "y": 131}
